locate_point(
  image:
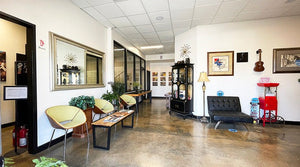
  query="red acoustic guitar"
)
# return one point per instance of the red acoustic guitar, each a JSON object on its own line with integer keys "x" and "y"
{"x": 259, "y": 66}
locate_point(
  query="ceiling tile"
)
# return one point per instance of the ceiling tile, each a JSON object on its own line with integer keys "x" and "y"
{"x": 208, "y": 11}
{"x": 206, "y": 2}
{"x": 178, "y": 31}
{"x": 149, "y": 35}
{"x": 163, "y": 26}
{"x": 145, "y": 28}
{"x": 98, "y": 2}
{"x": 181, "y": 4}
{"x": 222, "y": 20}
{"x": 231, "y": 8}
{"x": 128, "y": 30}
{"x": 155, "y": 5}
{"x": 179, "y": 15}
{"x": 164, "y": 14}
{"x": 153, "y": 41}
{"x": 138, "y": 41}
{"x": 94, "y": 13}
{"x": 132, "y": 7}
{"x": 120, "y": 22}
{"x": 166, "y": 35}
{"x": 81, "y": 3}
{"x": 109, "y": 10}
{"x": 182, "y": 24}
{"x": 197, "y": 22}
{"x": 139, "y": 19}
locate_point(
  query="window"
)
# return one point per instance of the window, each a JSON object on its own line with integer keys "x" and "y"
{"x": 75, "y": 65}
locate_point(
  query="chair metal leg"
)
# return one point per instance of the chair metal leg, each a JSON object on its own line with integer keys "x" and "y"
{"x": 87, "y": 133}
{"x": 51, "y": 138}
{"x": 65, "y": 144}
{"x": 218, "y": 123}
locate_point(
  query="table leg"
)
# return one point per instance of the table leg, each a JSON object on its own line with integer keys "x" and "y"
{"x": 137, "y": 104}
{"x": 132, "y": 120}
{"x": 150, "y": 97}
{"x": 108, "y": 139}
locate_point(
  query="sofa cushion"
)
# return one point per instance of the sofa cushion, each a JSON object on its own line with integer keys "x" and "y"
{"x": 223, "y": 103}
{"x": 231, "y": 116}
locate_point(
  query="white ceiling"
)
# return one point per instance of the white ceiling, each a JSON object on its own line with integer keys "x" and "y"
{"x": 157, "y": 22}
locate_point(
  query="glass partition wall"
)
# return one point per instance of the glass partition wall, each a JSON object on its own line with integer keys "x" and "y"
{"x": 129, "y": 68}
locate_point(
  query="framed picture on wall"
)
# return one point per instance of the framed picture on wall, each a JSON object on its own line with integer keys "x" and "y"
{"x": 154, "y": 83}
{"x": 220, "y": 63}
{"x": 162, "y": 83}
{"x": 3, "y": 66}
{"x": 286, "y": 60}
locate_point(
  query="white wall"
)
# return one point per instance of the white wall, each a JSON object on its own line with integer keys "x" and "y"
{"x": 160, "y": 91}
{"x": 246, "y": 37}
{"x": 63, "y": 18}
{"x": 13, "y": 40}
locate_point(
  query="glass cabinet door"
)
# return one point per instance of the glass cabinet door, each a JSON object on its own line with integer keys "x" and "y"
{"x": 175, "y": 75}
{"x": 181, "y": 75}
{"x": 190, "y": 75}
{"x": 175, "y": 91}
{"x": 190, "y": 92}
{"x": 182, "y": 92}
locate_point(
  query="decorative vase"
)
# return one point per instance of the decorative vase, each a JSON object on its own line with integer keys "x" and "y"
{"x": 187, "y": 60}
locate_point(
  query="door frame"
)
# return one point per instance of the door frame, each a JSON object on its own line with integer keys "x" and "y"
{"x": 31, "y": 78}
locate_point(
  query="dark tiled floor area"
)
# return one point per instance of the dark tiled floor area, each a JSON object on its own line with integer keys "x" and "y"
{"x": 159, "y": 140}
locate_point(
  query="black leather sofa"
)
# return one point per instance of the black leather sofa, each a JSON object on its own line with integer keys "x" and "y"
{"x": 226, "y": 109}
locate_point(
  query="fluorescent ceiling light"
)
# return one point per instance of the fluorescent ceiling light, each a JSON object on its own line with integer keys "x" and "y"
{"x": 152, "y": 47}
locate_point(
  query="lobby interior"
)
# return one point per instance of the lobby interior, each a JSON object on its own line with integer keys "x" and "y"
{"x": 158, "y": 138}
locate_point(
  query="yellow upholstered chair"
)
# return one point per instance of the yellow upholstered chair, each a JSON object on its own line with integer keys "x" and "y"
{"x": 102, "y": 107}
{"x": 127, "y": 101}
{"x": 66, "y": 117}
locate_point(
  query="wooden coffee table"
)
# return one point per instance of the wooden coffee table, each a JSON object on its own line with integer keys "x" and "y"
{"x": 110, "y": 121}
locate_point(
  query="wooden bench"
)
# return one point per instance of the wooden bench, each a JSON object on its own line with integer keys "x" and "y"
{"x": 110, "y": 121}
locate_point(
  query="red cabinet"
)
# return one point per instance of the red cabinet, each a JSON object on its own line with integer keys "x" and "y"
{"x": 268, "y": 102}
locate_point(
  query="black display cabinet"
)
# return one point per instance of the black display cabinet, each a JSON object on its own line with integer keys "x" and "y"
{"x": 182, "y": 89}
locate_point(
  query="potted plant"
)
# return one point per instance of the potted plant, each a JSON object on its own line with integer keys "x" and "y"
{"x": 48, "y": 162}
{"x": 136, "y": 86}
{"x": 118, "y": 89}
{"x": 109, "y": 96}
{"x": 82, "y": 102}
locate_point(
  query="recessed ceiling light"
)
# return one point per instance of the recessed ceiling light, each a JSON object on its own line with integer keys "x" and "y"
{"x": 152, "y": 47}
{"x": 159, "y": 18}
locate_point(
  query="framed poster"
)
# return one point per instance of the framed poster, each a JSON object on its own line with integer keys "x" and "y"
{"x": 3, "y": 66}
{"x": 15, "y": 92}
{"x": 286, "y": 60}
{"x": 220, "y": 63}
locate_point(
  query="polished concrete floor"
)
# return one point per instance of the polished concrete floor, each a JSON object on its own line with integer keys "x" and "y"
{"x": 161, "y": 140}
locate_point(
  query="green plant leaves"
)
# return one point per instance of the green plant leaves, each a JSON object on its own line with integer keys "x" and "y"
{"x": 82, "y": 102}
{"x": 48, "y": 162}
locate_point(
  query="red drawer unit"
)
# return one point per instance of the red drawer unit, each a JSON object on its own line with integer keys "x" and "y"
{"x": 268, "y": 103}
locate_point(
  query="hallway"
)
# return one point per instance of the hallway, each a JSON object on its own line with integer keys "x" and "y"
{"x": 160, "y": 140}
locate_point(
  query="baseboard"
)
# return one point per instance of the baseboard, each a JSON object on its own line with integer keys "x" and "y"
{"x": 55, "y": 141}
{"x": 7, "y": 124}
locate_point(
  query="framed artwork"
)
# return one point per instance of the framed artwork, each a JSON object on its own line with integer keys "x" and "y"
{"x": 286, "y": 60}
{"x": 162, "y": 74}
{"x": 220, "y": 63}
{"x": 242, "y": 57}
{"x": 162, "y": 83}
{"x": 3, "y": 66}
{"x": 154, "y": 83}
